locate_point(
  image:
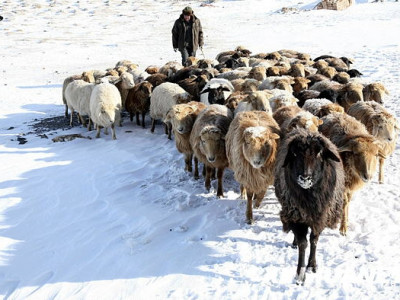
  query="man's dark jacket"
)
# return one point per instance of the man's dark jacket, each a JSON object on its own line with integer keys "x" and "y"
{"x": 178, "y": 33}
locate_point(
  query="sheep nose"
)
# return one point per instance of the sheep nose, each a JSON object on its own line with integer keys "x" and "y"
{"x": 365, "y": 177}
{"x": 180, "y": 129}
{"x": 211, "y": 159}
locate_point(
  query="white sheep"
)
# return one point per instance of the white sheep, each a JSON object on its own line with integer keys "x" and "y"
{"x": 77, "y": 95}
{"x": 279, "y": 98}
{"x": 162, "y": 99}
{"x": 277, "y": 82}
{"x": 105, "y": 107}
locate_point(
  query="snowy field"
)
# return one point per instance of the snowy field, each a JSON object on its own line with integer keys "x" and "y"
{"x": 104, "y": 219}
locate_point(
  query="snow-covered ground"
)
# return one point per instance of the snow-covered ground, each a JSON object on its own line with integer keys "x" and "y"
{"x": 104, "y": 219}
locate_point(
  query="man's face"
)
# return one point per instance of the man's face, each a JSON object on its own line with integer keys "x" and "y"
{"x": 186, "y": 17}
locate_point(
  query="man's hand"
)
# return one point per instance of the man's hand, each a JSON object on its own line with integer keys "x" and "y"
{"x": 175, "y": 49}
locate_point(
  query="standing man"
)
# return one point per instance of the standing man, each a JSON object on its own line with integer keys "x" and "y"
{"x": 187, "y": 34}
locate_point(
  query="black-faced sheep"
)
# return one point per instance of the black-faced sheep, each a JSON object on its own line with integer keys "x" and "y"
{"x": 359, "y": 151}
{"x": 138, "y": 101}
{"x": 216, "y": 91}
{"x": 182, "y": 118}
{"x": 309, "y": 184}
{"x": 105, "y": 107}
{"x": 381, "y": 124}
{"x": 208, "y": 141}
{"x": 251, "y": 145}
{"x": 162, "y": 99}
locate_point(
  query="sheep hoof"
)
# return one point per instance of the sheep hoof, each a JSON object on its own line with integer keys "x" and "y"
{"x": 301, "y": 277}
{"x": 343, "y": 231}
{"x": 312, "y": 269}
{"x": 249, "y": 221}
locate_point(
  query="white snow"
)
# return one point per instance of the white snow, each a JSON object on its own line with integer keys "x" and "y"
{"x": 103, "y": 219}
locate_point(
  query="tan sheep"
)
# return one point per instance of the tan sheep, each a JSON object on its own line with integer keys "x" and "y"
{"x": 251, "y": 147}
{"x": 375, "y": 91}
{"x": 381, "y": 124}
{"x": 208, "y": 141}
{"x": 259, "y": 73}
{"x": 359, "y": 151}
{"x": 254, "y": 101}
{"x": 182, "y": 118}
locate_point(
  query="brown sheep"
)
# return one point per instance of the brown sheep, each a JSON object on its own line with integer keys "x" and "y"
{"x": 251, "y": 146}
{"x": 375, "y": 91}
{"x": 182, "y": 117}
{"x": 381, "y": 124}
{"x": 258, "y": 72}
{"x": 297, "y": 70}
{"x": 299, "y": 84}
{"x": 234, "y": 99}
{"x": 358, "y": 150}
{"x": 208, "y": 141}
{"x": 329, "y": 72}
{"x": 342, "y": 77}
{"x": 138, "y": 101}
{"x": 156, "y": 79}
{"x": 350, "y": 94}
{"x": 152, "y": 70}
{"x": 194, "y": 85}
{"x": 284, "y": 113}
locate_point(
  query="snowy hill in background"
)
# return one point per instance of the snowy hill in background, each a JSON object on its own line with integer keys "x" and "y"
{"x": 103, "y": 219}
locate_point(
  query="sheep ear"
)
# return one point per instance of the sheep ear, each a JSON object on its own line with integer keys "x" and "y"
{"x": 328, "y": 154}
{"x": 274, "y": 136}
{"x": 205, "y": 91}
{"x": 345, "y": 148}
{"x": 225, "y": 89}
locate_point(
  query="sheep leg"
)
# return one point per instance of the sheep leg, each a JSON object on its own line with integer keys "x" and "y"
{"x": 143, "y": 116}
{"x": 207, "y": 182}
{"x": 213, "y": 174}
{"x": 83, "y": 121}
{"x": 381, "y": 162}
{"x": 345, "y": 214}
{"x": 259, "y": 197}
{"x": 137, "y": 118}
{"x": 98, "y": 131}
{"x": 243, "y": 192}
{"x": 220, "y": 174}
{"x": 114, "y": 136}
{"x": 131, "y": 117}
{"x": 188, "y": 162}
{"x": 89, "y": 127}
{"x": 153, "y": 125}
{"x": 249, "y": 208}
{"x": 66, "y": 110}
{"x": 300, "y": 232}
{"x": 166, "y": 128}
{"x": 70, "y": 119}
{"x": 312, "y": 261}
{"x": 169, "y": 130}
{"x": 106, "y": 130}
{"x": 196, "y": 168}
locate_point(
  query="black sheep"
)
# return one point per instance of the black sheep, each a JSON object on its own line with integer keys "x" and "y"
{"x": 309, "y": 184}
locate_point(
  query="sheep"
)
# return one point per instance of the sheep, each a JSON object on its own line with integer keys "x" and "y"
{"x": 329, "y": 72}
{"x": 309, "y": 185}
{"x": 156, "y": 79}
{"x": 194, "y": 85}
{"x": 124, "y": 84}
{"x": 303, "y": 119}
{"x": 233, "y": 74}
{"x": 381, "y": 124}
{"x": 152, "y": 69}
{"x": 126, "y": 63}
{"x": 375, "y": 91}
{"x": 138, "y": 101}
{"x": 206, "y": 63}
{"x": 208, "y": 141}
{"x": 216, "y": 91}
{"x": 234, "y": 99}
{"x": 297, "y": 70}
{"x": 350, "y": 94}
{"x": 322, "y": 107}
{"x": 254, "y": 101}
{"x": 170, "y": 68}
{"x": 86, "y": 76}
{"x": 139, "y": 75}
{"x": 342, "y": 77}
{"x": 277, "y": 82}
{"x": 258, "y": 72}
{"x": 191, "y": 61}
{"x": 105, "y": 107}
{"x": 284, "y": 113}
{"x": 251, "y": 145}
{"x": 279, "y": 98}
{"x": 77, "y": 95}
{"x": 162, "y": 99}
{"x": 245, "y": 85}
{"x": 358, "y": 150}
{"x": 182, "y": 117}
{"x": 300, "y": 84}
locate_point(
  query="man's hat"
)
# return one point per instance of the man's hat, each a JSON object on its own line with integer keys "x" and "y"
{"x": 187, "y": 11}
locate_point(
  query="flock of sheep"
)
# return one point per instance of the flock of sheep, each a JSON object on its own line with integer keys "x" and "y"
{"x": 311, "y": 128}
